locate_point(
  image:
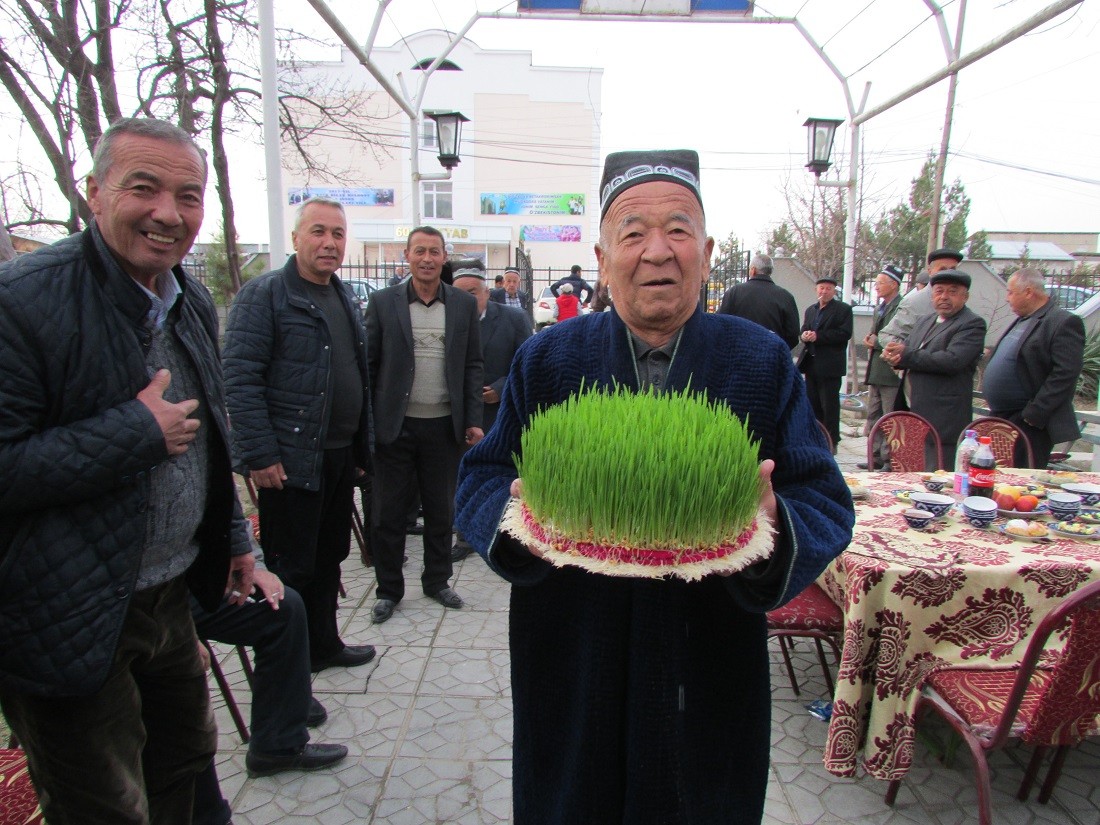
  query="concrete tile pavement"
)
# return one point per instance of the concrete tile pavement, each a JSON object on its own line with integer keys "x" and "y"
{"x": 428, "y": 727}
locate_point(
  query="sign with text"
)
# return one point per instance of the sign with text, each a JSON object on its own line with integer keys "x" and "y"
{"x": 531, "y": 203}
{"x": 550, "y": 234}
{"x": 451, "y": 233}
{"x": 348, "y": 196}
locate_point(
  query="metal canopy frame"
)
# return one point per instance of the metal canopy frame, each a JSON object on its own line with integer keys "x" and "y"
{"x": 411, "y": 103}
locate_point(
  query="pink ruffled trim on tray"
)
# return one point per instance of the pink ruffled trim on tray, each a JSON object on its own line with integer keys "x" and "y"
{"x": 753, "y": 544}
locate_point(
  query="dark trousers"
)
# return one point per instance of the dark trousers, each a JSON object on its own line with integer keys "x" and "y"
{"x": 211, "y": 808}
{"x": 305, "y": 535}
{"x": 280, "y": 647}
{"x": 824, "y": 396}
{"x": 1041, "y": 444}
{"x": 423, "y": 457}
{"x": 128, "y": 754}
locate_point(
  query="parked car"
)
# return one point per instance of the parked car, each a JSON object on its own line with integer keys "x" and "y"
{"x": 545, "y": 309}
{"x": 362, "y": 291}
{"x": 1069, "y": 297}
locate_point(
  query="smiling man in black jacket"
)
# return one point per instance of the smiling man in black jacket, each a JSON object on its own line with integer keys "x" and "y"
{"x": 116, "y": 494}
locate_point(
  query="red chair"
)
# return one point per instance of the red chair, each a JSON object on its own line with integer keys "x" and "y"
{"x": 905, "y": 435}
{"x": 227, "y": 692}
{"x": 1043, "y": 703}
{"x": 1003, "y": 436}
{"x": 811, "y": 614}
{"x": 18, "y": 800}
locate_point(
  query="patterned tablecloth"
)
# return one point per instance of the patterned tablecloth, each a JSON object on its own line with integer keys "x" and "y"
{"x": 915, "y": 602}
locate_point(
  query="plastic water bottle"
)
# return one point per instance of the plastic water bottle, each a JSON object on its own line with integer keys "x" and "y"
{"x": 983, "y": 468}
{"x": 966, "y": 449}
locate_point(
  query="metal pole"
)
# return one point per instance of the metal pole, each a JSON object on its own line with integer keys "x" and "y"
{"x": 272, "y": 160}
{"x": 936, "y": 228}
{"x": 414, "y": 166}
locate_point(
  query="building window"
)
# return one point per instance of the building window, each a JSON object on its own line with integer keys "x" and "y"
{"x": 428, "y": 136}
{"x": 437, "y": 200}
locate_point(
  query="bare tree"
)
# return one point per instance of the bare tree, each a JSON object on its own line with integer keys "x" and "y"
{"x": 194, "y": 63}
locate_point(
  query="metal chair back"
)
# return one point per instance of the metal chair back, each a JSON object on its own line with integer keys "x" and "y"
{"x": 1003, "y": 436}
{"x": 905, "y": 435}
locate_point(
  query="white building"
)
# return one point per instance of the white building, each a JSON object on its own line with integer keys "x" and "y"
{"x": 530, "y": 157}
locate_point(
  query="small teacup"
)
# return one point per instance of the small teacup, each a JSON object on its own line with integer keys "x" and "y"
{"x": 935, "y": 485}
{"x": 917, "y": 519}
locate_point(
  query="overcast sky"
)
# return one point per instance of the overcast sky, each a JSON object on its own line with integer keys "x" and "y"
{"x": 1026, "y": 135}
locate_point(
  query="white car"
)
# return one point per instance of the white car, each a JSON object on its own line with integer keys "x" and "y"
{"x": 545, "y": 309}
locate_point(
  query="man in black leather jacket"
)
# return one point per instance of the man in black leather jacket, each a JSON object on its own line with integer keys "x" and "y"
{"x": 116, "y": 493}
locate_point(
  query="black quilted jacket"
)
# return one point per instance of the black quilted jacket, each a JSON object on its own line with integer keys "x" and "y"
{"x": 75, "y": 450}
{"x": 277, "y": 377}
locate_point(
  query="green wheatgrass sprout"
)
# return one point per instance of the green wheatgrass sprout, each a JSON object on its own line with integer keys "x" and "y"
{"x": 643, "y": 470}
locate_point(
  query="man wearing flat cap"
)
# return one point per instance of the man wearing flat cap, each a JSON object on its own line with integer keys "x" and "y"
{"x": 826, "y": 331}
{"x": 881, "y": 380}
{"x": 939, "y": 359}
{"x": 918, "y": 301}
{"x": 635, "y": 699}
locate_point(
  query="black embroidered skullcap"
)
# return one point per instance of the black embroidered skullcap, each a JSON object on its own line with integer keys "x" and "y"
{"x": 894, "y": 272}
{"x": 511, "y": 269}
{"x": 622, "y": 170}
{"x": 951, "y": 276}
{"x": 937, "y": 254}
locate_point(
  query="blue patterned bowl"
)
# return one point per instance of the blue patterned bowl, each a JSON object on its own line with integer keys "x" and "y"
{"x": 934, "y": 503}
{"x": 918, "y": 519}
{"x": 1064, "y": 506}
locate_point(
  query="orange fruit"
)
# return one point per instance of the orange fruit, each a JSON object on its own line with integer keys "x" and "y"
{"x": 1025, "y": 504}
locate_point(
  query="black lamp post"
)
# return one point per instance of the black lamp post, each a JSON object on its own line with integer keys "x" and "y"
{"x": 819, "y": 145}
{"x": 448, "y": 131}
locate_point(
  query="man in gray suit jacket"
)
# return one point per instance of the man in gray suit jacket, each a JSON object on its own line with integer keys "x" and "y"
{"x": 1032, "y": 375}
{"x": 939, "y": 358}
{"x": 424, "y": 352}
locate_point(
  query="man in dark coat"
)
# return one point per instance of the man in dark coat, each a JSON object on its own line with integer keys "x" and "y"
{"x": 939, "y": 358}
{"x": 762, "y": 301}
{"x": 826, "y": 331}
{"x": 581, "y": 288}
{"x": 116, "y": 492}
{"x": 503, "y": 329}
{"x": 299, "y": 399}
{"x": 647, "y": 700}
{"x": 509, "y": 294}
{"x": 881, "y": 380}
{"x": 424, "y": 348}
{"x": 1032, "y": 374}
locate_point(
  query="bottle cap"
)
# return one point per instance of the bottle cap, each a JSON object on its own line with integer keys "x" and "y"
{"x": 985, "y": 439}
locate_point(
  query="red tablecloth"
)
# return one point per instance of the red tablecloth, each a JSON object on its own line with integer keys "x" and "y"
{"x": 915, "y": 602}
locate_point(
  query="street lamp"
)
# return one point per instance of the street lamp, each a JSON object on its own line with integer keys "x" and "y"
{"x": 819, "y": 145}
{"x": 448, "y": 131}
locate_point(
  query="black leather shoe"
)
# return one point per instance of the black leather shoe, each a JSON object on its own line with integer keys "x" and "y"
{"x": 317, "y": 714}
{"x": 461, "y": 550}
{"x": 309, "y": 758}
{"x": 862, "y": 465}
{"x": 415, "y": 529}
{"x": 382, "y": 610}
{"x": 448, "y": 598}
{"x": 350, "y": 656}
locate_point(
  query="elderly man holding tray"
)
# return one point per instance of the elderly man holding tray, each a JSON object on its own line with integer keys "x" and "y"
{"x": 645, "y": 700}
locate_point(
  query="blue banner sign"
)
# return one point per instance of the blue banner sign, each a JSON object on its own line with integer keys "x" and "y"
{"x": 348, "y": 196}
{"x": 531, "y": 203}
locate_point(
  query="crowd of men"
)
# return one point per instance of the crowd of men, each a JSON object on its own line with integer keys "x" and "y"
{"x": 123, "y": 532}
{"x": 924, "y": 350}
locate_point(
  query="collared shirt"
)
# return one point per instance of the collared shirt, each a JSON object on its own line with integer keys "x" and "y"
{"x": 512, "y": 301}
{"x": 653, "y": 363}
{"x": 161, "y": 301}
{"x": 413, "y": 297}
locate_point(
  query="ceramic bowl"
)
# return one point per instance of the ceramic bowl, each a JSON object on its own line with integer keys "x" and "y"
{"x": 1089, "y": 493}
{"x": 934, "y": 503}
{"x": 935, "y": 485}
{"x": 917, "y": 519}
{"x": 1064, "y": 506}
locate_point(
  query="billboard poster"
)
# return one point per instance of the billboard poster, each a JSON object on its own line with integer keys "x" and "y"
{"x": 348, "y": 196}
{"x": 531, "y": 203}
{"x": 550, "y": 234}
{"x": 639, "y": 7}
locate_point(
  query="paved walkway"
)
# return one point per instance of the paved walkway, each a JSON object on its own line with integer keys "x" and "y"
{"x": 428, "y": 725}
